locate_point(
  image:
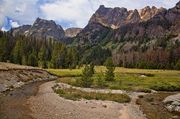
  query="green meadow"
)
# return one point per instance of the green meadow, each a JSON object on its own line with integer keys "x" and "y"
{"x": 126, "y": 79}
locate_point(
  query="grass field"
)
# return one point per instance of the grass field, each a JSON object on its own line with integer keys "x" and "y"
{"x": 128, "y": 79}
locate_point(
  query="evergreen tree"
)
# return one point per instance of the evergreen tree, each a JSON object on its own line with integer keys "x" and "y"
{"x": 109, "y": 75}
{"x": 32, "y": 61}
{"x": 86, "y": 79}
{"x": 17, "y": 52}
{"x": 42, "y": 58}
{"x": 3, "y": 42}
{"x": 177, "y": 66}
{"x": 92, "y": 68}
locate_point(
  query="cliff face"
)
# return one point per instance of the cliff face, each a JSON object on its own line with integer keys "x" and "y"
{"x": 45, "y": 29}
{"x": 72, "y": 32}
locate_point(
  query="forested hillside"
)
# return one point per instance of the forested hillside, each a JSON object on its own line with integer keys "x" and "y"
{"x": 35, "y": 52}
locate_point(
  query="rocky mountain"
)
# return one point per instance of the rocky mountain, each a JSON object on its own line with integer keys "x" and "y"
{"x": 117, "y": 17}
{"x": 41, "y": 29}
{"x": 72, "y": 32}
{"x": 46, "y": 29}
{"x": 148, "y": 23}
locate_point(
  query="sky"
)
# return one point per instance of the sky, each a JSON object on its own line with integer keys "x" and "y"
{"x": 67, "y": 13}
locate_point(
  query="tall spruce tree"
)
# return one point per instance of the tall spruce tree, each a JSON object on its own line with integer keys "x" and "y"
{"x": 109, "y": 75}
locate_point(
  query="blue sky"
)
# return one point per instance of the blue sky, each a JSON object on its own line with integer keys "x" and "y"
{"x": 67, "y": 13}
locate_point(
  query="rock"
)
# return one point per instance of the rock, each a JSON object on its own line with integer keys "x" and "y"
{"x": 2, "y": 88}
{"x": 72, "y": 32}
{"x": 172, "y": 103}
{"x": 18, "y": 84}
{"x": 176, "y": 103}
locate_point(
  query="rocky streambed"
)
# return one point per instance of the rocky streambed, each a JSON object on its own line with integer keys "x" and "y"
{"x": 14, "y": 105}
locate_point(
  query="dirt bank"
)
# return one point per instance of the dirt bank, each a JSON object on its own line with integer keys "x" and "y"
{"x": 14, "y": 76}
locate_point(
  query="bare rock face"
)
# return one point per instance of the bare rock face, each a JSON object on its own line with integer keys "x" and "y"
{"x": 20, "y": 30}
{"x": 117, "y": 17}
{"x": 147, "y": 12}
{"x": 45, "y": 29}
{"x": 133, "y": 17}
{"x": 93, "y": 33}
{"x": 110, "y": 17}
{"x": 72, "y": 32}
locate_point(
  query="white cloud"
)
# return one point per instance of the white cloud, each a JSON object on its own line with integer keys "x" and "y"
{"x": 24, "y": 11}
{"x": 14, "y": 24}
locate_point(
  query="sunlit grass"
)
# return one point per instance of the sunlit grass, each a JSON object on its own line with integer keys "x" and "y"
{"x": 129, "y": 79}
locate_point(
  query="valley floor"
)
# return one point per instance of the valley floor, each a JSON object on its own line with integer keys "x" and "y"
{"x": 38, "y": 101}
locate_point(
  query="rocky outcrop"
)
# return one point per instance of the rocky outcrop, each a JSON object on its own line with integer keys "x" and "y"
{"x": 148, "y": 12}
{"x": 72, "y": 32}
{"x": 172, "y": 103}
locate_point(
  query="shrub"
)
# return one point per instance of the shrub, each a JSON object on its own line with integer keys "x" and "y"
{"x": 165, "y": 87}
{"x": 100, "y": 82}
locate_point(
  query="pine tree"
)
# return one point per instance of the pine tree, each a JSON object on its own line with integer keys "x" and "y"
{"x": 109, "y": 75}
{"x": 86, "y": 79}
{"x": 17, "y": 52}
{"x": 41, "y": 58}
{"x": 32, "y": 61}
{"x": 3, "y": 42}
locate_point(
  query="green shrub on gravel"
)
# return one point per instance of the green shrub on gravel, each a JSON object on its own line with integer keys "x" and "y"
{"x": 74, "y": 94}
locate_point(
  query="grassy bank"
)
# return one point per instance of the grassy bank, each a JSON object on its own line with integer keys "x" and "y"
{"x": 128, "y": 79}
{"x": 74, "y": 94}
